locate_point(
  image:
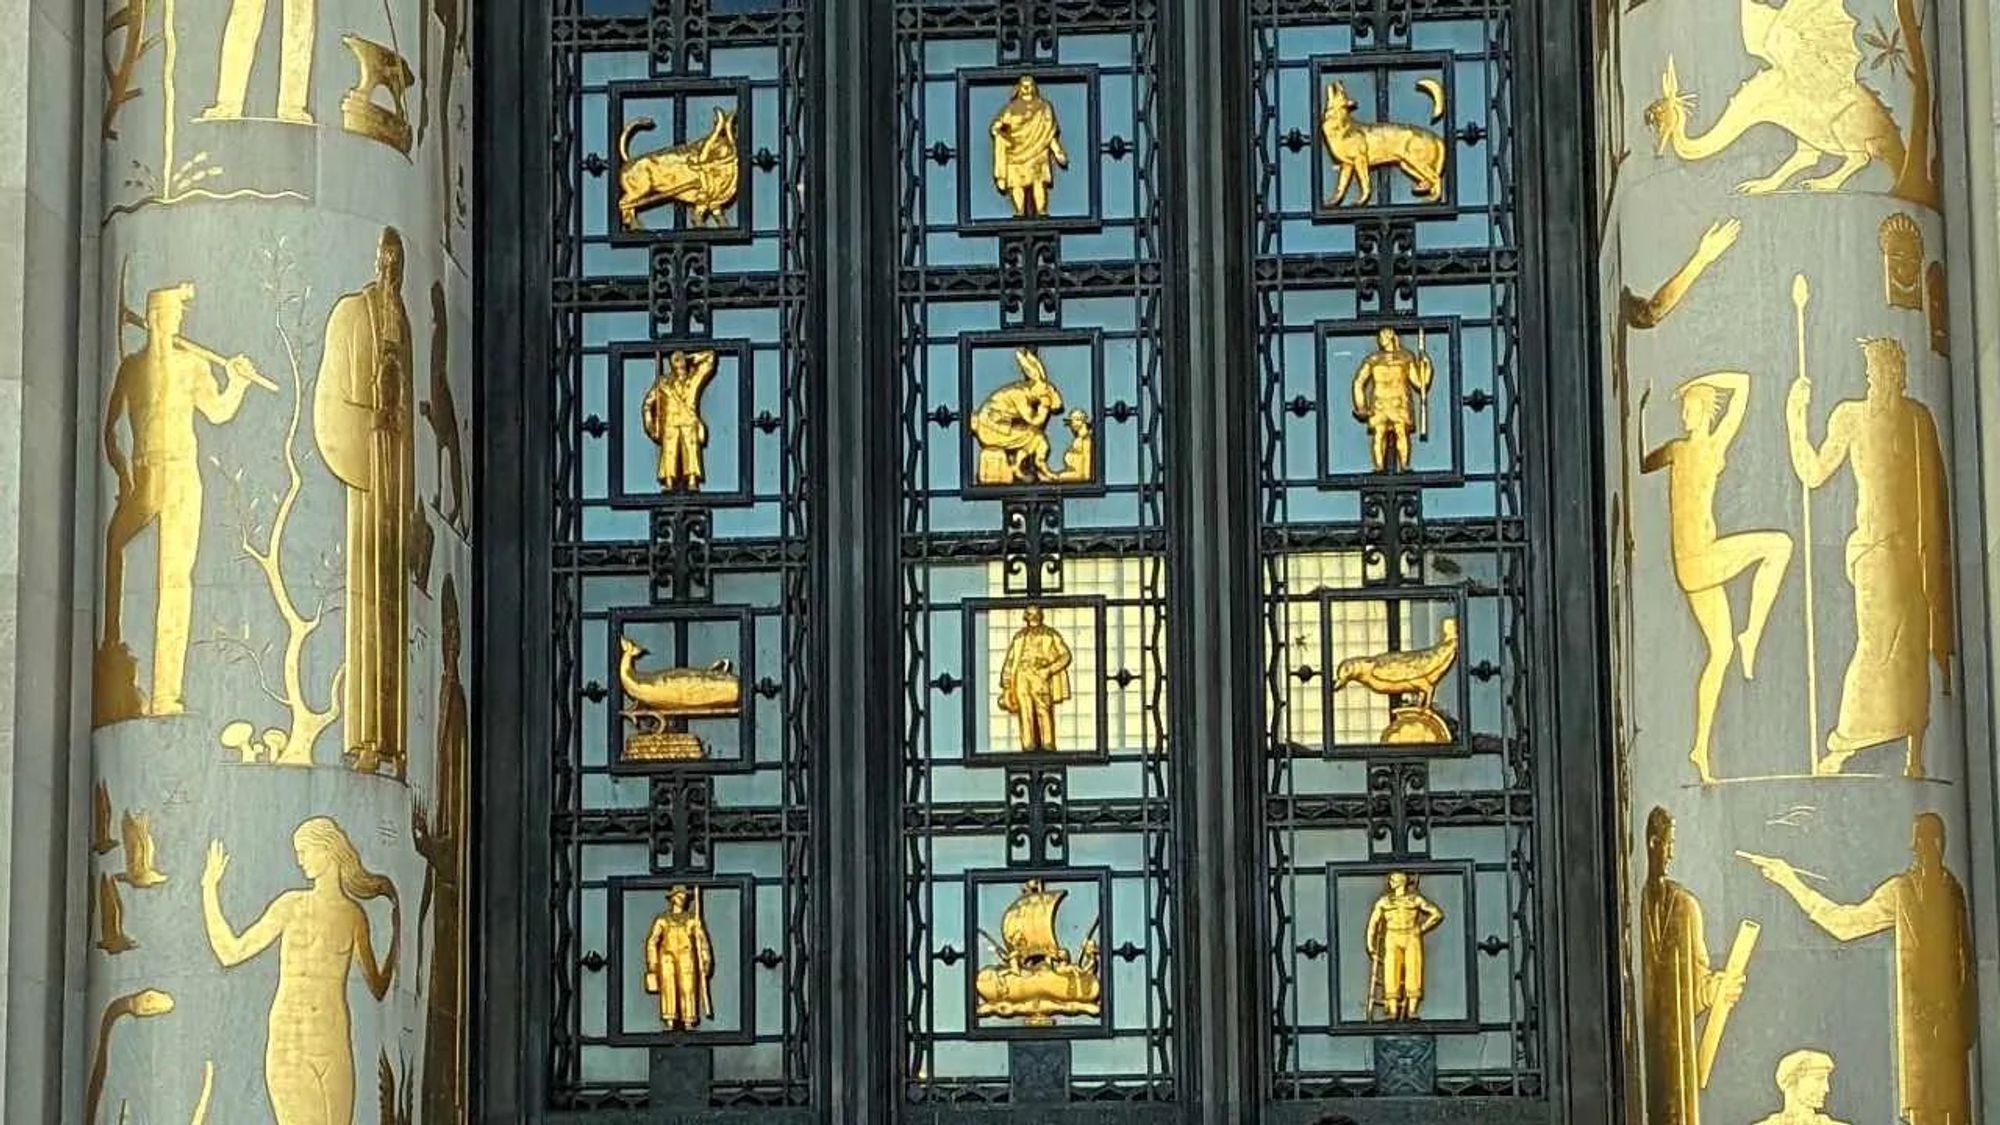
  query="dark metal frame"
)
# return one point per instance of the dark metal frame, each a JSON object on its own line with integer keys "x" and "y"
{"x": 1214, "y": 631}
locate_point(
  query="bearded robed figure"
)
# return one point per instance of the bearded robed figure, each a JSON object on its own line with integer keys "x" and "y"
{"x": 362, "y": 422}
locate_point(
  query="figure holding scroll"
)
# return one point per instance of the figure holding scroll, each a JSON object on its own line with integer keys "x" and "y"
{"x": 1678, "y": 986}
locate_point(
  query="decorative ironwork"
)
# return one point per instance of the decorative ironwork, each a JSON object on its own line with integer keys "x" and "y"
{"x": 1393, "y": 544}
{"x": 681, "y": 754}
{"x": 1034, "y": 542}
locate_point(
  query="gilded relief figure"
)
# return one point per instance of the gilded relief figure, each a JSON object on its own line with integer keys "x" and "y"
{"x": 1902, "y": 243}
{"x": 130, "y": 18}
{"x": 1677, "y": 986}
{"x": 441, "y": 411}
{"x": 1705, "y": 560}
{"x": 143, "y": 1004}
{"x": 450, "y": 16}
{"x": 671, "y": 416}
{"x": 111, "y": 935}
{"x": 1939, "y": 320}
{"x": 240, "y": 36}
{"x": 362, "y": 420}
{"x": 1080, "y": 459}
{"x": 439, "y": 836}
{"x": 321, "y": 931}
{"x": 1898, "y": 555}
{"x": 1034, "y": 680}
{"x": 1397, "y": 675}
{"x": 1011, "y": 426}
{"x": 137, "y": 829}
{"x": 700, "y": 174}
{"x": 1397, "y": 925}
{"x": 1027, "y": 149}
{"x": 672, "y": 696}
{"x": 1392, "y": 395}
{"x": 1036, "y": 981}
{"x": 1805, "y": 1078}
{"x": 101, "y": 840}
{"x": 156, "y": 393}
{"x": 1937, "y": 1009}
{"x": 381, "y": 68}
{"x": 680, "y": 961}
{"x": 1358, "y": 147}
{"x": 1811, "y": 88}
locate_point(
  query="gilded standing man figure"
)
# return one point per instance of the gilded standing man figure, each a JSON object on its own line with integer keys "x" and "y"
{"x": 157, "y": 391}
{"x": 1392, "y": 390}
{"x": 1677, "y": 985}
{"x": 1395, "y": 940}
{"x": 440, "y": 839}
{"x": 671, "y": 415}
{"x": 1034, "y": 678}
{"x": 240, "y": 33}
{"x": 362, "y": 419}
{"x": 1027, "y": 149}
{"x": 1898, "y": 556}
{"x": 1936, "y": 1008}
{"x": 680, "y": 961}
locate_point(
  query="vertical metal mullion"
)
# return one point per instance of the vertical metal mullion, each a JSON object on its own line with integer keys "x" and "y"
{"x": 1563, "y": 501}
{"x": 855, "y": 553}
{"x": 1214, "y": 580}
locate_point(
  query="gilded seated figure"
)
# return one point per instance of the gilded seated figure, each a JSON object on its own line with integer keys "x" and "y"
{"x": 1036, "y": 981}
{"x": 1011, "y": 426}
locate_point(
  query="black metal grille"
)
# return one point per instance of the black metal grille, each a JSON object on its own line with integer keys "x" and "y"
{"x": 718, "y": 573}
{"x": 1081, "y": 286}
{"x": 1359, "y": 562}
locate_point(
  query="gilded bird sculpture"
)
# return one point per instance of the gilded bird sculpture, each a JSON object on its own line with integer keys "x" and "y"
{"x": 1414, "y": 672}
{"x": 137, "y": 829}
{"x": 655, "y": 698}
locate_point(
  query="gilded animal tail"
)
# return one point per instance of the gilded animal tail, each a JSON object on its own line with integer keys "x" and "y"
{"x": 625, "y": 136}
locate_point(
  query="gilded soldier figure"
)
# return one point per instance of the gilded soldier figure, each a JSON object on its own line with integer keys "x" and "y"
{"x": 1805, "y": 1078}
{"x": 240, "y": 34}
{"x": 157, "y": 391}
{"x": 1011, "y": 426}
{"x": 1034, "y": 678}
{"x": 1027, "y": 148}
{"x": 1898, "y": 555}
{"x": 671, "y": 416}
{"x": 362, "y": 419}
{"x": 1677, "y": 985}
{"x": 1397, "y": 926}
{"x": 680, "y": 961}
{"x": 1936, "y": 1008}
{"x": 1392, "y": 391}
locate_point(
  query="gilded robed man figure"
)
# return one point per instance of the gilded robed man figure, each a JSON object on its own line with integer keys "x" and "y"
{"x": 1034, "y": 678}
{"x": 1677, "y": 984}
{"x": 1027, "y": 149}
{"x": 362, "y": 422}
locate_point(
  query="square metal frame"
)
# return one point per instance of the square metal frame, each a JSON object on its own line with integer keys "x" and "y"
{"x": 744, "y": 229}
{"x": 968, "y": 456}
{"x": 616, "y": 889}
{"x": 971, "y": 611}
{"x": 1331, "y": 395}
{"x": 1380, "y": 66}
{"x": 746, "y": 739}
{"x": 1100, "y": 1028}
{"x": 1394, "y": 596}
{"x": 617, "y": 493}
{"x": 969, "y": 78}
{"x": 1466, "y": 871}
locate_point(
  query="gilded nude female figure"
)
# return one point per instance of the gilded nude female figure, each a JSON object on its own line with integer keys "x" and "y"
{"x": 320, "y": 930}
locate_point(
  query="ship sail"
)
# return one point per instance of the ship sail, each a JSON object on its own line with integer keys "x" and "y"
{"x": 1028, "y": 927}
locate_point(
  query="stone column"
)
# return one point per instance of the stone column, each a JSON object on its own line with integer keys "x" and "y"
{"x": 278, "y": 669}
{"x": 1788, "y": 684}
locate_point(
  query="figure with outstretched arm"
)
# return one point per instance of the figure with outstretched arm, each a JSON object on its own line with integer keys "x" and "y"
{"x": 320, "y": 932}
{"x": 1712, "y": 409}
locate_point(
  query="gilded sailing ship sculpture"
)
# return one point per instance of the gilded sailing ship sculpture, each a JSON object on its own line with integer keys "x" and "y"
{"x": 670, "y": 695}
{"x": 1036, "y": 981}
